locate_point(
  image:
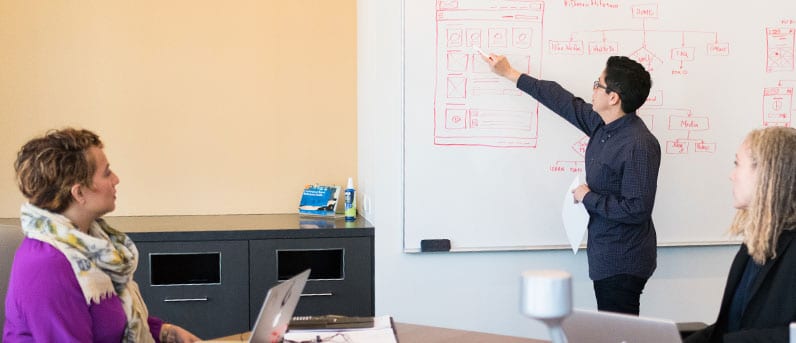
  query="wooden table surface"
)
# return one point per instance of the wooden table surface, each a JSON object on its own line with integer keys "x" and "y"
{"x": 412, "y": 333}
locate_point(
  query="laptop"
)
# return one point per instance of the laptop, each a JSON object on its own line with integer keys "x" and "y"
{"x": 608, "y": 327}
{"x": 276, "y": 312}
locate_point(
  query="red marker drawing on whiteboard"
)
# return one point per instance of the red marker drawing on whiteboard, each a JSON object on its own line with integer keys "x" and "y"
{"x": 482, "y": 52}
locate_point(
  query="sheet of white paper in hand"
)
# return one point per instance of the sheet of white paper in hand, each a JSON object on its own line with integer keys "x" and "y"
{"x": 575, "y": 217}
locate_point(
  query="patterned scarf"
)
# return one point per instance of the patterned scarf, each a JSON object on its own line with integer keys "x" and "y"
{"x": 103, "y": 260}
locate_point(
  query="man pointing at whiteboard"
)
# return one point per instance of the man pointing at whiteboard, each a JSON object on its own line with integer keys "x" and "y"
{"x": 622, "y": 162}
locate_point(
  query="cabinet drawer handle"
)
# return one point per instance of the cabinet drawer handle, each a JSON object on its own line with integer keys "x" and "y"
{"x": 317, "y": 294}
{"x": 184, "y": 300}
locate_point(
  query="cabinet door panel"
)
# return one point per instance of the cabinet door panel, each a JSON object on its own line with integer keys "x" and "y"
{"x": 341, "y": 281}
{"x": 201, "y": 286}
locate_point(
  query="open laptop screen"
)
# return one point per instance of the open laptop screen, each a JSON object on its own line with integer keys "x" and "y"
{"x": 607, "y": 327}
{"x": 277, "y": 309}
{"x": 276, "y": 312}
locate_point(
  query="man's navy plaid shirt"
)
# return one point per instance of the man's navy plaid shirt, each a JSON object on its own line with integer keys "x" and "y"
{"x": 622, "y": 163}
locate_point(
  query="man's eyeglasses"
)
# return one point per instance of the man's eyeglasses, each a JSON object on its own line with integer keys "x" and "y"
{"x": 607, "y": 89}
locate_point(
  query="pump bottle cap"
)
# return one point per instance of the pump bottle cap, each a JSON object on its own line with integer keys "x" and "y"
{"x": 350, "y": 183}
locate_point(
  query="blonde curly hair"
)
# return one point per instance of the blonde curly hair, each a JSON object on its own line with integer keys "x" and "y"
{"x": 773, "y": 205}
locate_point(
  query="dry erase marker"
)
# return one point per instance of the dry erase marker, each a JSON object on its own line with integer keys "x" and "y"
{"x": 482, "y": 52}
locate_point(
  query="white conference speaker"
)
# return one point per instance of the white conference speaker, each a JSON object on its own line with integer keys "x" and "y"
{"x": 547, "y": 296}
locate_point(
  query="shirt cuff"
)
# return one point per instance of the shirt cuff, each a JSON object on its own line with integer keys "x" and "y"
{"x": 590, "y": 200}
{"x": 526, "y": 81}
{"x": 155, "y": 324}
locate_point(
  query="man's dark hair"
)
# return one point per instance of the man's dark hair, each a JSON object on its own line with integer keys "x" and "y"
{"x": 630, "y": 80}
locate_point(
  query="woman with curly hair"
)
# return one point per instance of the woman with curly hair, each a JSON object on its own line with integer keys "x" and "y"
{"x": 72, "y": 276}
{"x": 760, "y": 296}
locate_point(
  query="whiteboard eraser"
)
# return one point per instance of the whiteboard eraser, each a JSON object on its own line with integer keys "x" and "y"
{"x": 432, "y": 245}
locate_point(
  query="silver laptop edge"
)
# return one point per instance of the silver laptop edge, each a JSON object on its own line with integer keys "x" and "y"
{"x": 277, "y": 309}
{"x": 606, "y": 327}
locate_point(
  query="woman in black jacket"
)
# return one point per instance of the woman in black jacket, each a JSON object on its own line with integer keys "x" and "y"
{"x": 760, "y": 296}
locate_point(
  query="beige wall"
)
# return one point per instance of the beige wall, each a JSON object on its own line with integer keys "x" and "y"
{"x": 205, "y": 107}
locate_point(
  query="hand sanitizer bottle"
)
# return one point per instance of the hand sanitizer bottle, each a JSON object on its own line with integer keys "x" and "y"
{"x": 350, "y": 201}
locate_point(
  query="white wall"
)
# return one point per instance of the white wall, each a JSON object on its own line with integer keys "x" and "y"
{"x": 479, "y": 291}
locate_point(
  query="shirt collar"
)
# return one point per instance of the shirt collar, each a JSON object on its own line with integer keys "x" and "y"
{"x": 625, "y": 120}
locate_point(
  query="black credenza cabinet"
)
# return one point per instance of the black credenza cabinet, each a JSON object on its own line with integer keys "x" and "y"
{"x": 213, "y": 282}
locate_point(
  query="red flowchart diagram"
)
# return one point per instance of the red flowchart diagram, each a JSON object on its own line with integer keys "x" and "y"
{"x": 686, "y": 126}
{"x": 599, "y": 42}
{"x": 677, "y": 120}
{"x": 474, "y": 107}
{"x": 680, "y": 121}
{"x": 683, "y": 123}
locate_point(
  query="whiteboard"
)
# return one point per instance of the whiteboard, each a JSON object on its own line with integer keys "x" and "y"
{"x": 487, "y": 167}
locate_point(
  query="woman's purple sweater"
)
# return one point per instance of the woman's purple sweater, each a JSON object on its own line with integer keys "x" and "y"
{"x": 44, "y": 302}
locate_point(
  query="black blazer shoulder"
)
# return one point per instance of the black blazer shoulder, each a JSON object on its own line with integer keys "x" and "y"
{"x": 772, "y": 301}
